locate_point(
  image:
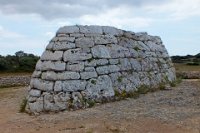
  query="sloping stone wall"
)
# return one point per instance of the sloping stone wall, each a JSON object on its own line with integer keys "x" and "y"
{"x": 91, "y": 63}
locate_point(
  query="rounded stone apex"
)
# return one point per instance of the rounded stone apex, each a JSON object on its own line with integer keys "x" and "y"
{"x": 90, "y": 29}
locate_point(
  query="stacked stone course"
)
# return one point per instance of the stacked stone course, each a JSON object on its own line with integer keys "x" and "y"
{"x": 84, "y": 63}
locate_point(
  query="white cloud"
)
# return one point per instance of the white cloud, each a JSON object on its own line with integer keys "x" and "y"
{"x": 121, "y": 17}
{"x": 176, "y": 9}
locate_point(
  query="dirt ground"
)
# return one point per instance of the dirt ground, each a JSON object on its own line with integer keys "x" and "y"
{"x": 176, "y": 110}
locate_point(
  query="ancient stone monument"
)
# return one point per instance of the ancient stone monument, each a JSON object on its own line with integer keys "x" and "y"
{"x": 85, "y": 64}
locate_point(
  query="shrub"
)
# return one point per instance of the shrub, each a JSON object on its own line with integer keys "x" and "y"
{"x": 23, "y": 104}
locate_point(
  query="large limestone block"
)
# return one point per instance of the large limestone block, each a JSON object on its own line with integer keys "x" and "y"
{"x": 54, "y": 56}
{"x": 101, "y": 62}
{"x": 35, "y": 93}
{"x": 68, "y": 29}
{"x": 88, "y": 75}
{"x": 106, "y": 39}
{"x": 75, "y": 66}
{"x": 66, "y": 39}
{"x": 62, "y": 100}
{"x": 70, "y": 85}
{"x": 117, "y": 51}
{"x": 36, "y": 74}
{"x": 112, "y": 31}
{"x": 84, "y": 42}
{"x": 124, "y": 64}
{"x": 63, "y": 46}
{"x": 76, "y": 55}
{"x": 50, "y": 75}
{"x": 107, "y": 69}
{"x": 37, "y": 106}
{"x": 50, "y": 66}
{"x": 100, "y": 51}
{"x": 101, "y": 87}
{"x": 136, "y": 66}
{"x": 41, "y": 84}
{"x": 49, "y": 104}
{"x": 91, "y": 29}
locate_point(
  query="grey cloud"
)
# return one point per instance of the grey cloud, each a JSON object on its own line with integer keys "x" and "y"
{"x": 52, "y": 9}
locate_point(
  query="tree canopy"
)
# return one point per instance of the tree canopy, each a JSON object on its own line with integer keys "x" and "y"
{"x": 20, "y": 62}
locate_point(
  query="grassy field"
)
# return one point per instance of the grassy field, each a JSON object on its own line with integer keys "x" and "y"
{"x": 183, "y": 67}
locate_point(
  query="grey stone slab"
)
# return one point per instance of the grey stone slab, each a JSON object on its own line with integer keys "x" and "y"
{"x": 84, "y": 42}
{"x": 50, "y": 66}
{"x": 53, "y": 56}
{"x": 70, "y": 85}
{"x": 88, "y": 75}
{"x": 91, "y": 29}
{"x": 68, "y": 30}
{"x": 76, "y": 55}
{"x": 100, "y": 51}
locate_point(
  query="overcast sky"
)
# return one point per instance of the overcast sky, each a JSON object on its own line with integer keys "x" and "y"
{"x": 28, "y": 25}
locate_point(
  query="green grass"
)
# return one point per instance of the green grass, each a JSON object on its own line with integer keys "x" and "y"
{"x": 176, "y": 82}
{"x": 119, "y": 79}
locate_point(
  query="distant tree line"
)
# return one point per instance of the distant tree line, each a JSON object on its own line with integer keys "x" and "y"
{"x": 20, "y": 62}
{"x": 188, "y": 59}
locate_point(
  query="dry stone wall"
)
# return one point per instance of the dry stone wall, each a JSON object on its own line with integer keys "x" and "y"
{"x": 84, "y": 64}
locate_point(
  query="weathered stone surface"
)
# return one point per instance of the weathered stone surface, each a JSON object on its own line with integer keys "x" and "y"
{"x": 70, "y": 85}
{"x": 107, "y": 39}
{"x": 135, "y": 64}
{"x": 84, "y": 42}
{"x": 91, "y": 62}
{"x": 50, "y": 75}
{"x": 68, "y": 29}
{"x": 101, "y": 87}
{"x": 48, "y": 66}
{"x": 113, "y": 61}
{"x": 63, "y": 46}
{"x": 86, "y": 64}
{"x": 36, "y": 74}
{"x": 77, "y": 35}
{"x": 49, "y": 104}
{"x": 37, "y": 106}
{"x": 107, "y": 69}
{"x": 117, "y": 51}
{"x": 62, "y": 35}
{"x": 124, "y": 64}
{"x": 35, "y": 93}
{"x": 41, "y": 84}
{"x": 112, "y": 31}
{"x": 76, "y": 54}
{"x": 50, "y": 46}
{"x": 68, "y": 75}
{"x": 88, "y": 75}
{"x": 66, "y": 39}
{"x": 61, "y": 100}
{"x": 89, "y": 69}
{"x": 54, "y": 56}
{"x": 101, "y": 62}
{"x": 91, "y": 29}
{"x": 75, "y": 66}
{"x": 100, "y": 51}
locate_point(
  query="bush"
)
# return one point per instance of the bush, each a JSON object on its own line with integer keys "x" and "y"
{"x": 23, "y": 104}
